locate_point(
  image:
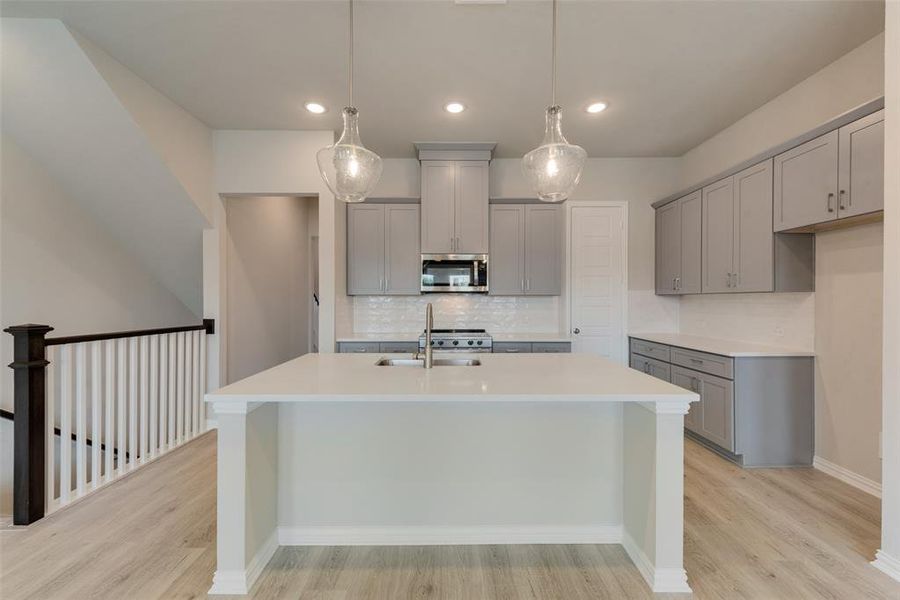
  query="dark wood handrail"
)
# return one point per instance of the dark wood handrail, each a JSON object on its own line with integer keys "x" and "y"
{"x": 5, "y": 414}
{"x": 208, "y": 326}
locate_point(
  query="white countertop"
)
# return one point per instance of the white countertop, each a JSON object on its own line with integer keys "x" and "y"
{"x": 414, "y": 337}
{"x": 500, "y": 377}
{"x": 718, "y": 346}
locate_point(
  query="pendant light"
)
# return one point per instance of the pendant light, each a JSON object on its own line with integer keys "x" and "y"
{"x": 350, "y": 170}
{"x": 554, "y": 168}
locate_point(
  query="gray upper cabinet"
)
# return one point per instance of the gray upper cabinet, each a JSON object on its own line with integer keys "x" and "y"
{"x": 754, "y": 241}
{"x": 668, "y": 248}
{"x": 718, "y": 236}
{"x": 678, "y": 250}
{"x": 454, "y": 207}
{"x": 383, "y": 255}
{"x": 525, "y": 250}
{"x": 861, "y": 166}
{"x": 543, "y": 250}
{"x": 365, "y": 248}
{"x": 806, "y": 183}
{"x": 438, "y": 206}
{"x": 402, "y": 257}
{"x": 507, "y": 255}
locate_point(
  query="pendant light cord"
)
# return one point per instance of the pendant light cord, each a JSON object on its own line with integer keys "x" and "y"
{"x": 553, "y": 85}
{"x": 350, "y": 101}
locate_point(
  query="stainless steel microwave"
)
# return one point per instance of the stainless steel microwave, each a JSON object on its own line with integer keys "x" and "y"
{"x": 455, "y": 273}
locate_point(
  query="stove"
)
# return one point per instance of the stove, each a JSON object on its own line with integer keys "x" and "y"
{"x": 458, "y": 340}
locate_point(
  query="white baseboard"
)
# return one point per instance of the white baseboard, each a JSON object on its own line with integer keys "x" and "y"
{"x": 236, "y": 582}
{"x": 447, "y": 536}
{"x": 887, "y": 564}
{"x": 661, "y": 581}
{"x": 847, "y": 476}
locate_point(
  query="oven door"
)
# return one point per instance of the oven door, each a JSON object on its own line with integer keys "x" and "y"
{"x": 454, "y": 273}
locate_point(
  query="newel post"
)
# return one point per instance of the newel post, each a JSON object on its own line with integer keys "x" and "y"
{"x": 29, "y": 399}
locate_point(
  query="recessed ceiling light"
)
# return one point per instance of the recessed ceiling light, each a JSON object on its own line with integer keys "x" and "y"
{"x": 315, "y": 108}
{"x": 596, "y": 107}
{"x": 454, "y": 107}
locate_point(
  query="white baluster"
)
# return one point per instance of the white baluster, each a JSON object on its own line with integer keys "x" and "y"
{"x": 163, "y": 392}
{"x": 52, "y": 354}
{"x": 144, "y": 383}
{"x": 121, "y": 403}
{"x": 188, "y": 384}
{"x": 173, "y": 381}
{"x": 203, "y": 368}
{"x": 96, "y": 413}
{"x": 132, "y": 402}
{"x": 80, "y": 419}
{"x": 109, "y": 436}
{"x": 179, "y": 364}
{"x": 154, "y": 393}
{"x": 65, "y": 423}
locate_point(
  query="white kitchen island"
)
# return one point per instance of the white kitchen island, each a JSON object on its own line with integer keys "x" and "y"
{"x": 330, "y": 449}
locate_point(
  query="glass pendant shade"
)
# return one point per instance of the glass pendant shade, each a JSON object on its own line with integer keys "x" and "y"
{"x": 350, "y": 170}
{"x": 554, "y": 168}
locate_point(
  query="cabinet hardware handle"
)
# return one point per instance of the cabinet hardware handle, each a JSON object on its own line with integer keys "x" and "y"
{"x": 830, "y": 198}
{"x": 841, "y": 206}
{"x": 678, "y": 283}
{"x": 674, "y": 283}
{"x": 646, "y": 367}
{"x": 527, "y": 284}
{"x": 728, "y": 280}
{"x": 697, "y": 360}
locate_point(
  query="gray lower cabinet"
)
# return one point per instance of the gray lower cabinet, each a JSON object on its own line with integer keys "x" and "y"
{"x": 383, "y": 255}
{"x": 757, "y": 411}
{"x": 378, "y": 347}
{"x": 526, "y": 254}
{"x": 526, "y": 347}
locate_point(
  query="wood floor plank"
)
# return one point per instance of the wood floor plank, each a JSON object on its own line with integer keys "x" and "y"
{"x": 754, "y": 534}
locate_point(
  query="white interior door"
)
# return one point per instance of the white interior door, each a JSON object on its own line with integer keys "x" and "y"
{"x": 597, "y": 269}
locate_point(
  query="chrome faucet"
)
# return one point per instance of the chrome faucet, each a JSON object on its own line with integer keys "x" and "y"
{"x": 429, "y": 323}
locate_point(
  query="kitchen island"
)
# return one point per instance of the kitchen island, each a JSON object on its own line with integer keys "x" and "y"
{"x": 332, "y": 449}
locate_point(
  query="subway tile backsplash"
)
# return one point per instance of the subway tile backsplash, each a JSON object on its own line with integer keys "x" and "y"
{"x": 507, "y": 314}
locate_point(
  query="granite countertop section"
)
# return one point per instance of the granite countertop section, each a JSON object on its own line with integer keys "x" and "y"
{"x": 732, "y": 348}
{"x": 500, "y": 377}
{"x": 414, "y": 337}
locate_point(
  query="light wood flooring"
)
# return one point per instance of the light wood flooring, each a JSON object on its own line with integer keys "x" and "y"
{"x": 767, "y": 533}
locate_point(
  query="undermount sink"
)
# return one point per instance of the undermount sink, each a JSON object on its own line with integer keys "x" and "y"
{"x": 420, "y": 362}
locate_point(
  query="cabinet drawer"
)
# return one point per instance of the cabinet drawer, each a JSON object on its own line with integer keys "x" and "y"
{"x": 371, "y": 347}
{"x": 405, "y": 347}
{"x": 650, "y": 349}
{"x": 651, "y": 366}
{"x": 551, "y": 347}
{"x": 701, "y": 361}
{"x": 512, "y": 347}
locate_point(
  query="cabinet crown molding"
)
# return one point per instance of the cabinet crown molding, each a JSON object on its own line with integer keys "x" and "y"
{"x": 455, "y": 150}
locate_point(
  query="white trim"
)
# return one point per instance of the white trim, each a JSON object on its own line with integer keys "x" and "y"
{"x": 661, "y": 581}
{"x": 211, "y": 424}
{"x": 567, "y": 287}
{"x": 887, "y": 564}
{"x": 438, "y": 536}
{"x": 238, "y": 583}
{"x": 226, "y": 406}
{"x": 847, "y": 476}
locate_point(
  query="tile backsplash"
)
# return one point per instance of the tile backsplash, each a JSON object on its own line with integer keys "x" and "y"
{"x": 507, "y": 314}
{"x": 778, "y": 319}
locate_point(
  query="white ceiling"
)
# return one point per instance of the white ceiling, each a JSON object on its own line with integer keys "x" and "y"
{"x": 674, "y": 73}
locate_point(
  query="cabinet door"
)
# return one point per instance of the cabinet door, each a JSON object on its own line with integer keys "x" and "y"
{"x": 717, "y": 410}
{"x": 438, "y": 206}
{"x": 718, "y": 236}
{"x": 543, "y": 250}
{"x": 691, "y": 246}
{"x": 506, "y": 263}
{"x": 365, "y": 249}
{"x": 402, "y": 255}
{"x": 668, "y": 248}
{"x": 806, "y": 181}
{"x": 754, "y": 241}
{"x": 861, "y": 166}
{"x": 471, "y": 236}
{"x": 682, "y": 378}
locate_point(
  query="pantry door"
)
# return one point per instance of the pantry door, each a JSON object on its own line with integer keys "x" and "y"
{"x": 597, "y": 290}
